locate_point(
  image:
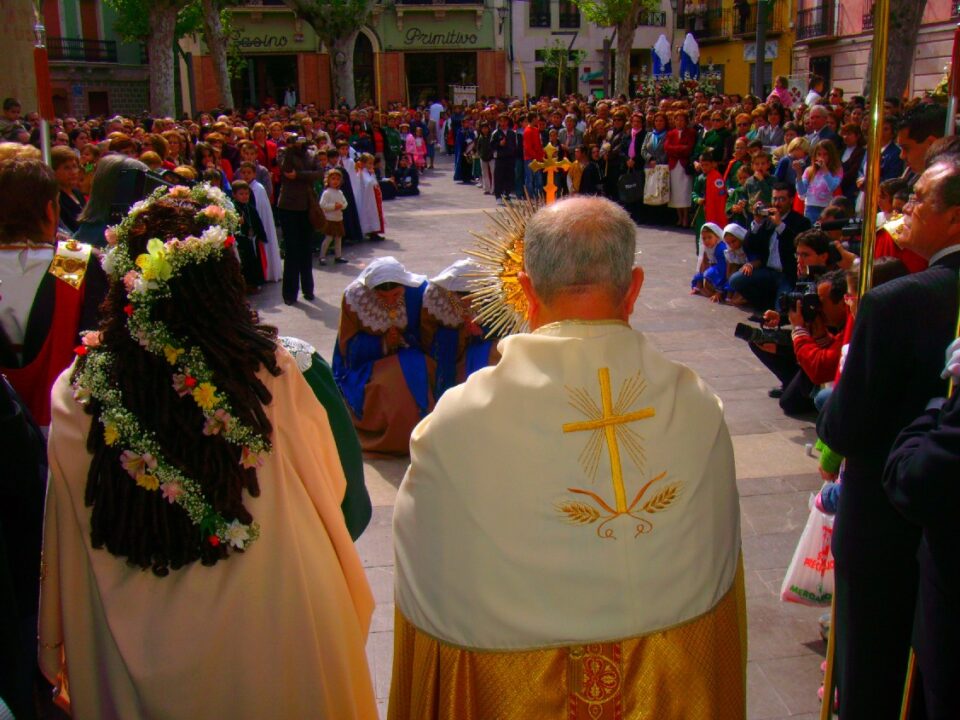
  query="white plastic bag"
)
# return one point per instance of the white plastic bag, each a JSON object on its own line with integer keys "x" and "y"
{"x": 656, "y": 189}
{"x": 809, "y": 579}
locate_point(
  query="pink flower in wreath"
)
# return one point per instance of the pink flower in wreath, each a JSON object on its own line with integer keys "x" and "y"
{"x": 214, "y": 212}
{"x": 171, "y": 491}
{"x": 179, "y": 191}
{"x": 130, "y": 280}
{"x": 91, "y": 339}
{"x": 110, "y": 235}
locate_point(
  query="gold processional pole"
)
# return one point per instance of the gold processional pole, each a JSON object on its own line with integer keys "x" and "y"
{"x": 881, "y": 27}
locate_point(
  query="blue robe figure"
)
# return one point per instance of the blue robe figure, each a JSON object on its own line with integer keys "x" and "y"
{"x": 464, "y": 148}
{"x": 384, "y": 376}
{"x": 457, "y": 345}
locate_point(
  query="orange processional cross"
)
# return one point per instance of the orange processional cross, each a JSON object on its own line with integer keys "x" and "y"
{"x": 550, "y": 165}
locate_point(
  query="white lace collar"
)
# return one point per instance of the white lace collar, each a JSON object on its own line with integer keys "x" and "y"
{"x": 374, "y": 314}
{"x": 444, "y": 305}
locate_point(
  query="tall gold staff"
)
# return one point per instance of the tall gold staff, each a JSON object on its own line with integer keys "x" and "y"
{"x": 878, "y": 81}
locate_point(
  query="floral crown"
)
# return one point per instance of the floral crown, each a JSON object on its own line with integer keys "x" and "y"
{"x": 146, "y": 280}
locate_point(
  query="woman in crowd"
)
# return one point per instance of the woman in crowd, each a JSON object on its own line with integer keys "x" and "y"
{"x": 101, "y": 209}
{"x": 300, "y": 171}
{"x": 177, "y": 482}
{"x": 66, "y": 168}
{"x": 772, "y": 133}
{"x": 679, "y": 146}
{"x": 854, "y": 150}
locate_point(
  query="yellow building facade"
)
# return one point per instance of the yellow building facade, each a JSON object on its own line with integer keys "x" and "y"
{"x": 726, "y": 32}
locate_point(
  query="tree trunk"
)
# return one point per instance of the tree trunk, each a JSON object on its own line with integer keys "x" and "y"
{"x": 163, "y": 20}
{"x": 217, "y": 45}
{"x": 343, "y": 85}
{"x": 905, "y": 17}
{"x": 621, "y": 75}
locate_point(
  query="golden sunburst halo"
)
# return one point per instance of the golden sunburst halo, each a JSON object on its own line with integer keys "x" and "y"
{"x": 497, "y": 299}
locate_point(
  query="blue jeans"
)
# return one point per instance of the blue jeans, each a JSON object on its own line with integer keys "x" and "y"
{"x": 532, "y": 181}
{"x": 761, "y": 287}
{"x": 812, "y": 212}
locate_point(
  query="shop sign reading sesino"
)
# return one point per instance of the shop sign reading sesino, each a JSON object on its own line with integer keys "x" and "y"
{"x": 273, "y": 33}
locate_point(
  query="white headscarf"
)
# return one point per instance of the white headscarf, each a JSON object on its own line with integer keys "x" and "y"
{"x": 388, "y": 269}
{"x": 457, "y": 277}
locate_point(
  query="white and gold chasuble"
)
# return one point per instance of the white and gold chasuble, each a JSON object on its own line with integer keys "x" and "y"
{"x": 568, "y": 540}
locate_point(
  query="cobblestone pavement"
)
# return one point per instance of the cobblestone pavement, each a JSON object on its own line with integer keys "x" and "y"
{"x": 774, "y": 474}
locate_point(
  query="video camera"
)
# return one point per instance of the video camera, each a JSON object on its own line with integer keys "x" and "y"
{"x": 804, "y": 293}
{"x": 848, "y": 227}
{"x": 763, "y": 336}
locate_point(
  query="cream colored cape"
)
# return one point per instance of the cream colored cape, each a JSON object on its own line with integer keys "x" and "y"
{"x": 277, "y": 631}
{"x": 487, "y": 556}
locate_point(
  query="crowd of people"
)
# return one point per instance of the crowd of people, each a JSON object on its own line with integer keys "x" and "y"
{"x": 191, "y": 215}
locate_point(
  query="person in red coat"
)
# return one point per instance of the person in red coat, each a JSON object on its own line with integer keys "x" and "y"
{"x": 679, "y": 145}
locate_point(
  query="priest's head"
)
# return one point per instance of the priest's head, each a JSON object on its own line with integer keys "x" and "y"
{"x": 578, "y": 262}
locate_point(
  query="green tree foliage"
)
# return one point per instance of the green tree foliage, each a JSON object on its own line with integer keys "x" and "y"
{"x": 624, "y": 15}
{"x": 336, "y": 23}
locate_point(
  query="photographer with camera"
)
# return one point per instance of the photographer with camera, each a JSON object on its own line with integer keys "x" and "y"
{"x": 809, "y": 354}
{"x": 769, "y": 244}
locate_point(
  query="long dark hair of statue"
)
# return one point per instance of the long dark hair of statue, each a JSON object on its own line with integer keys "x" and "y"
{"x": 208, "y": 309}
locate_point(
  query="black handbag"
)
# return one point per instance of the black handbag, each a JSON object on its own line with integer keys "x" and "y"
{"x": 630, "y": 187}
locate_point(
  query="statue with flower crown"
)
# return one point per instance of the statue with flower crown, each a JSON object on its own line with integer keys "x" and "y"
{"x": 384, "y": 375}
{"x": 196, "y": 558}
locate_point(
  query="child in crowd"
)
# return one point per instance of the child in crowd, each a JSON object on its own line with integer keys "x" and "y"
{"x": 711, "y": 277}
{"x": 250, "y": 154}
{"x": 417, "y": 148}
{"x": 89, "y": 157}
{"x": 406, "y": 178}
{"x": 818, "y": 182}
{"x": 738, "y": 208}
{"x": 270, "y": 255}
{"x": 759, "y": 187}
{"x": 709, "y": 195}
{"x": 740, "y": 157}
{"x": 369, "y": 199}
{"x": 152, "y": 161}
{"x": 250, "y": 237}
{"x": 736, "y": 257}
{"x": 333, "y": 203}
{"x": 214, "y": 177}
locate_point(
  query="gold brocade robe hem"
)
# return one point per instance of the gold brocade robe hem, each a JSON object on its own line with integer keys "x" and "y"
{"x": 693, "y": 671}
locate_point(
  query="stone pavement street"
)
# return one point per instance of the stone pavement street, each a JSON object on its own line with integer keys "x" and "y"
{"x": 774, "y": 474}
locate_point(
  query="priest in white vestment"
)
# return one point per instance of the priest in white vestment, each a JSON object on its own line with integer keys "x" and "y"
{"x": 567, "y": 535}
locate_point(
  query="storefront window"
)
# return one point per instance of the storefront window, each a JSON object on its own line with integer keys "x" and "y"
{"x": 363, "y": 70}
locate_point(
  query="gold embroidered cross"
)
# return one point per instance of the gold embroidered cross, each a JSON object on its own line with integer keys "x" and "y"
{"x": 609, "y": 423}
{"x": 550, "y": 165}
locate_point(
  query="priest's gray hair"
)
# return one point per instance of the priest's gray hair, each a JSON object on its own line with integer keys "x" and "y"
{"x": 577, "y": 244}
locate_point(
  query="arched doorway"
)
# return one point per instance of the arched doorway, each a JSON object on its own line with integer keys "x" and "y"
{"x": 364, "y": 83}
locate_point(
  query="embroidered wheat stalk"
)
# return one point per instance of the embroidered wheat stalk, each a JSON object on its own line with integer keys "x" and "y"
{"x": 663, "y": 499}
{"x": 579, "y": 513}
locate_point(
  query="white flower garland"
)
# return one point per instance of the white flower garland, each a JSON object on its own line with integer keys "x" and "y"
{"x": 143, "y": 457}
{"x": 146, "y": 280}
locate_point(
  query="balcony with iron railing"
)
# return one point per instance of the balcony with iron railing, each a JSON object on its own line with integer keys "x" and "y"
{"x": 81, "y": 50}
{"x": 652, "y": 18}
{"x": 438, "y": 2}
{"x": 706, "y": 23}
{"x": 743, "y": 19}
{"x": 815, "y": 22}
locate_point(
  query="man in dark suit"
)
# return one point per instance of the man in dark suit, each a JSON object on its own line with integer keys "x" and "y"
{"x": 892, "y": 369}
{"x": 504, "y": 144}
{"x": 921, "y": 480}
{"x": 917, "y": 132}
{"x": 773, "y": 268}
{"x": 819, "y": 130}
